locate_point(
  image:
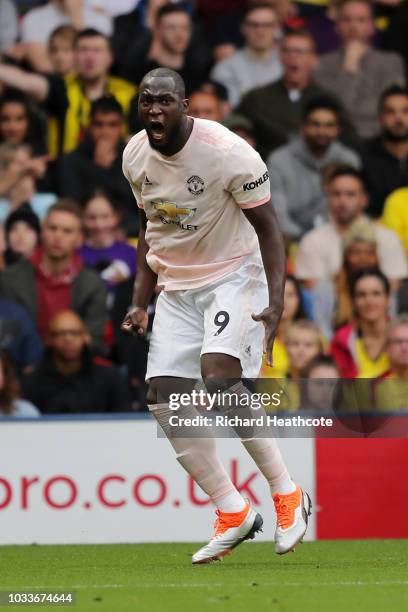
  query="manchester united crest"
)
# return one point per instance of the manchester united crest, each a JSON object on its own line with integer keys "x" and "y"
{"x": 195, "y": 185}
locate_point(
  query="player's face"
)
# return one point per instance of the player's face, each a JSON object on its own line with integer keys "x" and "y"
{"x": 370, "y": 300}
{"x": 398, "y": 345}
{"x": 161, "y": 111}
{"x": 394, "y": 118}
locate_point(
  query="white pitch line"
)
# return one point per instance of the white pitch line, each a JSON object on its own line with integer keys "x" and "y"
{"x": 218, "y": 585}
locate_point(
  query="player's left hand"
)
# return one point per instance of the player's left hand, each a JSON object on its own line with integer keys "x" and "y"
{"x": 270, "y": 320}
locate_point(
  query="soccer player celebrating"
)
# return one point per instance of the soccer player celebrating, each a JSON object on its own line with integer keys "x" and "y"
{"x": 209, "y": 237}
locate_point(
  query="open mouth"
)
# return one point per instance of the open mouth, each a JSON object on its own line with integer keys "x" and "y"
{"x": 157, "y": 130}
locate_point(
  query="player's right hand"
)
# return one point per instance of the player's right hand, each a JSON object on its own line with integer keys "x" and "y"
{"x": 135, "y": 321}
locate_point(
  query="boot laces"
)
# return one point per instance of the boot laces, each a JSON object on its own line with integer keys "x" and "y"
{"x": 285, "y": 509}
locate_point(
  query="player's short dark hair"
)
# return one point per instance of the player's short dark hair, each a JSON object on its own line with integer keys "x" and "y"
{"x": 320, "y": 103}
{"x": 339, "y": 170}
{"x": 91, "y": 33}
{"x": 302, "y": 33}
{"x": 366, "y": 273}
{"x": 394, "y": 90}
{"x": 256, "y": 7}
{"x": 106, "y": 104}
{"x": 179, "y": 84}
{"x": 170, "y": 9}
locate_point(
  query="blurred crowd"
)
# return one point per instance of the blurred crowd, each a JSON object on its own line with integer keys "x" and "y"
{"x": 317, "y": 87}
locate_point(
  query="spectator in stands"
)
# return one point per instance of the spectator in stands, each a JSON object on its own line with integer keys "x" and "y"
{"x": 55, "y": 278}
{"x": 276, "y": 109}
{"x": 135, "y": 36}
{"x": 8, "y": 24}
{"x": 293, "y": 310}
{"x": 68, "y": 100}
{"x": 358, "y": 348}
{"x": 97, "y": 161}
{"x": 205, "y": 105}
{"x": 61, "y": 50}
{"x": 395, "y": 215}
{"x": 332, "y": 303}
{"x": 258, "y": 62}
{"x": 295, "y": 169}
{"x": 172, "y": 36}
{"x": 11, "y": 405}
{"x": 68, "y": 380}
{"x": 20, "y": 122}
{"x": 391, "y": 391}
{"x": 303, "y": 343}
{"x": 357, "y": 73}
{"x": 319, "y": 256}
{"x": 19, "y": 336}
{"x": 319, "y": 383}
{"x": 114, "y": 259}
{"x": 385, "y": 158}
{"x": 22, "y": 234}
{"x": 40, "y": 22}
{"x": 19, "y": 171}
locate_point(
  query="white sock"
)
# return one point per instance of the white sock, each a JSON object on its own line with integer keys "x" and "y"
{"x": 266, "y": 454}
{"x": 233, "y": 502}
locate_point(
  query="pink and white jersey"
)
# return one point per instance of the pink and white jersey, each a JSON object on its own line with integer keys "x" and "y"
{"x": 196, "y": 230}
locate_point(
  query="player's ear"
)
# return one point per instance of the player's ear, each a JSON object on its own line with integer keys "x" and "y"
{"x": 185, "y": 105}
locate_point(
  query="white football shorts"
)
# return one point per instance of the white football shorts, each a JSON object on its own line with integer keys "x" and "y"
{"x": 211, "y": 319}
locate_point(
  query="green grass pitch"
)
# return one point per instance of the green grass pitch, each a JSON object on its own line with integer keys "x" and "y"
{"x": 344, "y": 576}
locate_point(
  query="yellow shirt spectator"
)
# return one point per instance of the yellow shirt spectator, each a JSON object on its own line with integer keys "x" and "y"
{"x": 395, "y": 215}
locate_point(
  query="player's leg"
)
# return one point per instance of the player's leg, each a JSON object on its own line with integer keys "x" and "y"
{"x": 233, "y": 348}
{"x": 173, "y": 367}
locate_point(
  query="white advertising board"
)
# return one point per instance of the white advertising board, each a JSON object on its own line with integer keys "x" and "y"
{"x": 116, "y": 482}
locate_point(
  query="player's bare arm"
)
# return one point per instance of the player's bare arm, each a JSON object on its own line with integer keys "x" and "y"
{"x": 264, "y": 221}
{"x": 136, "y": 320}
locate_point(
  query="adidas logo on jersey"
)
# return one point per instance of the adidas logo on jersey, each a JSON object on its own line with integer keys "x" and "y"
{"x": 146, "y": 181}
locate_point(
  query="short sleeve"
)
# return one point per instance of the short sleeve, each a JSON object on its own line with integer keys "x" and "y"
{"x": 246, "y": 176}
{"x": 134, "y": 186}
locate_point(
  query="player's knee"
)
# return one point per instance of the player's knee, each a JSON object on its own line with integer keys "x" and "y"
{"x": 220, "y": 371}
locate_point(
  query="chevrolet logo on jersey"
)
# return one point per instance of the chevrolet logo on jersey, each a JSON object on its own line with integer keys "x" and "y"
{"x": 169, "y": 212}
